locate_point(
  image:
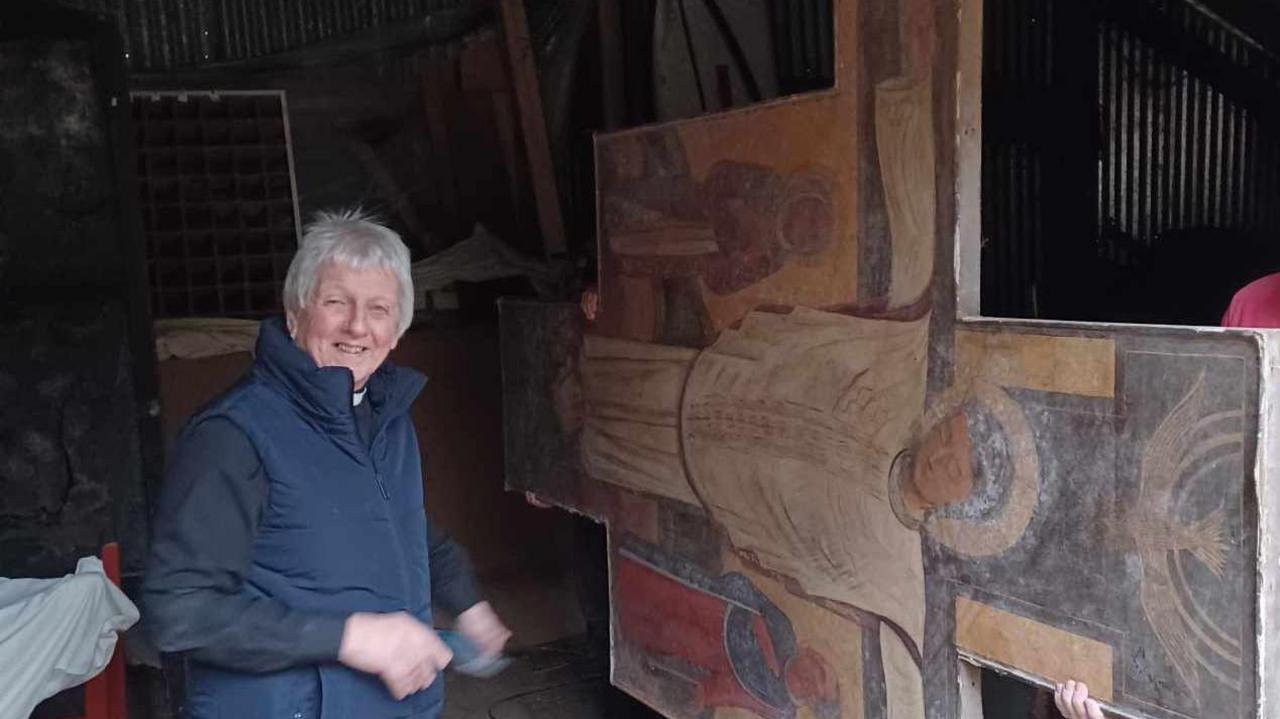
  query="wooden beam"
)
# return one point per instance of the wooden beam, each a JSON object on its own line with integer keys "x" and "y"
{"x": 524, "y": 77}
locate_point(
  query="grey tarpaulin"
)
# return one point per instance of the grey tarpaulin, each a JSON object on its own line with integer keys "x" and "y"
{"x": 480, "y": 257}
{"x": 195, "y": 337}
{"x": 57, "y": 633}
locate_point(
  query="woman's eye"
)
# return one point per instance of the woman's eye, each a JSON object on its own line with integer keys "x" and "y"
{"x": 380, "y": 311}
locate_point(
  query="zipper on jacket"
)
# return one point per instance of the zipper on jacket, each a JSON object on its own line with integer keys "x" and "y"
{"x": 367, "y": 446}
{"x": 370, "y": 453}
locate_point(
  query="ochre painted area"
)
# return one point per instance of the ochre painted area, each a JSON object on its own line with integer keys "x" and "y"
{"x": 1041, "y": 649}
{"x": 1049, "y": 363}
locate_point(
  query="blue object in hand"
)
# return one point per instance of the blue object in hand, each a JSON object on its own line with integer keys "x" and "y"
{"x": 467, "y": 658}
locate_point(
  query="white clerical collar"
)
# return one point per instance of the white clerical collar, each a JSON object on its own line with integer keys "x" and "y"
{"x": 358, "y": 397}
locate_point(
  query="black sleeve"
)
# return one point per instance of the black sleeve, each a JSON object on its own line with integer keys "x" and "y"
{"x": 193, "y": 593}
{"x": 453, "y": 582}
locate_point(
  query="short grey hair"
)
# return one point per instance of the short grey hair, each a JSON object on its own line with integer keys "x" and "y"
{"x": 354, "y": 239}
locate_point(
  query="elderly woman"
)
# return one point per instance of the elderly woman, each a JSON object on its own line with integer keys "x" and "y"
{"x": 292, "y": 559}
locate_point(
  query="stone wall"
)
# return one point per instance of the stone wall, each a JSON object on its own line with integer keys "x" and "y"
{"x": 73, "y": 383}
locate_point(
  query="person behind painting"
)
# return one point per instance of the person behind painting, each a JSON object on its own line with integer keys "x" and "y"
{"x": 292, "y": 559}
{"x": 1255, "y": 305}
{"x": 1073, "y": 702}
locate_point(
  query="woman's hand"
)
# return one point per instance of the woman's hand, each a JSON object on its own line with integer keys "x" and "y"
{"x": 482, "y": 626}
{"x": 402, "y": 651}
{"x": 1073, "y": 701}
{"x": 590, "y": 303}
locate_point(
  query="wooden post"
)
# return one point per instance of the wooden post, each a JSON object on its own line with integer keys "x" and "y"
{"x": 524, "y": 78}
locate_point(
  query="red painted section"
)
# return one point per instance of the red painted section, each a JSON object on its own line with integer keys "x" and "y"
{"x": 668, "y": 619}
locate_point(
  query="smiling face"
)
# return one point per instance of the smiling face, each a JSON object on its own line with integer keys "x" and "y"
{"x": 350, "y": 320}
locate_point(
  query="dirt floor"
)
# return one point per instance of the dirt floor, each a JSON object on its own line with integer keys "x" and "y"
{"x": 566, "y": 679}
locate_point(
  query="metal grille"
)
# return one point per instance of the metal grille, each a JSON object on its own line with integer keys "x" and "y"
{"x": 1116, "y": 135}
{"x": 1017, "y": 83}
{"x": 219, "y": 205}
{"x": 1188, "y": 142}
{"x": 166, "y": 34}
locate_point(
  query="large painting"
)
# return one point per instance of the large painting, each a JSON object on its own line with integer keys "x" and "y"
{"x": 823, "y": 492}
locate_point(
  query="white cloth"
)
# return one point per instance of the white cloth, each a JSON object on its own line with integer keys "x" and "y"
{"x": 57, "y": 633}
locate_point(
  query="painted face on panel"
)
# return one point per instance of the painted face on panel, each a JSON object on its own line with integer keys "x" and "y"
{"x": 350, "y": 321}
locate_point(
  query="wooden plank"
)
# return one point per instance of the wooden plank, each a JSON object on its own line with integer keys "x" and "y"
{"x": 483, "y": 70}
{"x": 524, "y": 76}
{"x": 435, "y": 95}
{"x": 510, "y": 148}
{"x": 1071, "y": 365}
{"x": 1031, "y": 646}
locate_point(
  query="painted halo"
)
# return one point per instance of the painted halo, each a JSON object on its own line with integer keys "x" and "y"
{"x": 977, "y": 538}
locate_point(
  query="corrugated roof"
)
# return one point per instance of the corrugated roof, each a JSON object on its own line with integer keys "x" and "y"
{"x": 169, "y": 34}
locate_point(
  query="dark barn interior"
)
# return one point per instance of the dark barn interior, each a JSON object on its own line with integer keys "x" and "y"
{"x": 160, "y": 158}
{"x": 159, "y": 161}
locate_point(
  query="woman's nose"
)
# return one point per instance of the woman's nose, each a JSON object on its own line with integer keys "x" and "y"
{"x": 356, "y": 321}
